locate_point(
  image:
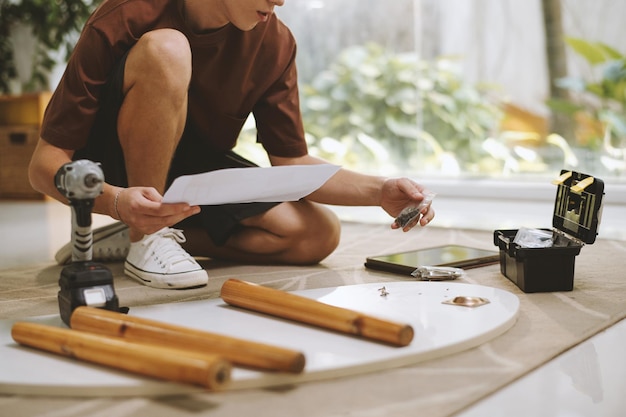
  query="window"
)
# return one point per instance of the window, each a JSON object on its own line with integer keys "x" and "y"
{"x": 450, "y": 88}
{"x": 457, "y": 90}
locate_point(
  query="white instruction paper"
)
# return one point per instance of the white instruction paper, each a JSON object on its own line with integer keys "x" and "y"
{"x": 248, "y": 185}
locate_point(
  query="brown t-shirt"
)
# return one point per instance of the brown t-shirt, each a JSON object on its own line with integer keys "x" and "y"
{"x": 234, "y": 73}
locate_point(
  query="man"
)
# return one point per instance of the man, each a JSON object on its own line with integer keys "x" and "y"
{"x": 159, "y": 89}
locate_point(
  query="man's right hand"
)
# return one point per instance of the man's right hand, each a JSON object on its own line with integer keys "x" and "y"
{"x": 142, "y": 210}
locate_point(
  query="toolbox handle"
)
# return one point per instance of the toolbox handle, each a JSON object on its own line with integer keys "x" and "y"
{"x": 17, "y": 138}
{"x": 508, "y": 244}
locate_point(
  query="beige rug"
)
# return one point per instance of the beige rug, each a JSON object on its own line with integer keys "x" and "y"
{"x": 548, "y": 324}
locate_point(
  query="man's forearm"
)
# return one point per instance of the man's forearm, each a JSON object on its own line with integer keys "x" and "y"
{"x": 44, "y": 164}
{"x": 345, "y": 188}
{"x": 349, "y": 188}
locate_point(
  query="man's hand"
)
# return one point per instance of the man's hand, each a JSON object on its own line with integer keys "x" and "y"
{"x": 141, "y": 209}
{"x": 398, "y": 193}
{"x": 349, "y": 188}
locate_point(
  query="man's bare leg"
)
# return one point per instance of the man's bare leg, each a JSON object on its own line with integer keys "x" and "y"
{"x": 153, "y": 114}
{"x": 297, "y": 233}
{"x": 151, "y": 121}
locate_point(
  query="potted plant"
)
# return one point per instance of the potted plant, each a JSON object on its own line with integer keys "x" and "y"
{"x": 368, "y": 101}
{"x": 53, "y": 25}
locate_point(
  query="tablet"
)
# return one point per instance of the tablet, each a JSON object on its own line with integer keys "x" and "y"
{"x": 449, "y": 255}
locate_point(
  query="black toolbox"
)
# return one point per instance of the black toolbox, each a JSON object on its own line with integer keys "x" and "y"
{"x": 575, "y": 221}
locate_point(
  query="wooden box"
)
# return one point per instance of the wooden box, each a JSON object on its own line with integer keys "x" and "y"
{"x": 20, "y": 122}
{"x": 25, "y": 109}
{"x": 17, "y": 144}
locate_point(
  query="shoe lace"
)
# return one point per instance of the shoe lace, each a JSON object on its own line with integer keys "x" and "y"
{"x": 164, "y": 245}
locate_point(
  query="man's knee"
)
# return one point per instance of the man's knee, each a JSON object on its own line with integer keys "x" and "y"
{"x": 163, "y": 53}
{"x": 319, "y": 240}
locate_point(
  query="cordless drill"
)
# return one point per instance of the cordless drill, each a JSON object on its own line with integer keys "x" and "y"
{"x": 83, "y": 282}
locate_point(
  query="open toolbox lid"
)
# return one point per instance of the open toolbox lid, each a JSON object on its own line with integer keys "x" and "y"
{"x": 578, "y": 205}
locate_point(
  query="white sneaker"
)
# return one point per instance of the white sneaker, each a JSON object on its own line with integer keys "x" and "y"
{"x": 159, "y": 261}
{"x": 110, "y": 243}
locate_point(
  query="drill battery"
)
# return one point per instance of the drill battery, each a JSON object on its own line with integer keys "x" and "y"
{"x": 86, "y": 283}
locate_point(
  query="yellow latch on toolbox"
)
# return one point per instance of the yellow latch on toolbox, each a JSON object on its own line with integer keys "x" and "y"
{"x": 581, "y": 185}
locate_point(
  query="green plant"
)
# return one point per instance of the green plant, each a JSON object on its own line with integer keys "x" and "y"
{"x": 54, "y": 25}
{"x": 377, "y": 109}
{"x": 601, "y": 96}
